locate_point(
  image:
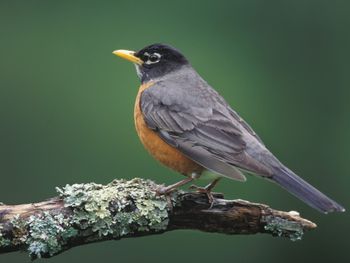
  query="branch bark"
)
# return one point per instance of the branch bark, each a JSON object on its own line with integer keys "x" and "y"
{"x": 85, "y": 213}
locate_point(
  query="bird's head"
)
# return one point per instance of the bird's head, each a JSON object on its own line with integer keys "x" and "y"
{"x": 154, "y": 61}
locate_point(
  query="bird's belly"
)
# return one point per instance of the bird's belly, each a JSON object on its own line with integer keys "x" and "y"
{"x": 160, "y": 150}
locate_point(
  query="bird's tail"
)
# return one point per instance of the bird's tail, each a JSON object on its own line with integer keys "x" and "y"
{"x": 304, "y": 191}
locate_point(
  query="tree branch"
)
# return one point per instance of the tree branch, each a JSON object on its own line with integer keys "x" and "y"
{"x": 85, "y": 213}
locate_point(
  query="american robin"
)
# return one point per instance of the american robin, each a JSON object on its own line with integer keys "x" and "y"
{"x": 186, "y": 125}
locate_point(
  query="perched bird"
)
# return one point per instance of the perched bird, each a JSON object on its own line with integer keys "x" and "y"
{"x": 186, "y": 125}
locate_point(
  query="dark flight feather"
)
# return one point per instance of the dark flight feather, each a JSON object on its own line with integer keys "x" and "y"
{"x": 306, "y": 192}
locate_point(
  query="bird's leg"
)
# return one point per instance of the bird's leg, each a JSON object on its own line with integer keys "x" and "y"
{"x": 168, "y": 189}
{"x": 207, "y": 190}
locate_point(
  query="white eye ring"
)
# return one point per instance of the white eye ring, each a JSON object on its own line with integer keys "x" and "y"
{"x": 152, "y": 58}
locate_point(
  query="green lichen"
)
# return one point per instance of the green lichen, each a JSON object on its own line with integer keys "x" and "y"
{"x": 48, "y": 234}
{"x": 117, "y": 209}
{"x": 19, "y": 230}
{"x": 283, "y": 227}
{"x": 4, "y": 242}
{"x": 44, "y": 234}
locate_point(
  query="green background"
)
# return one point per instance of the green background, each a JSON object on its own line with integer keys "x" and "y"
{"x": 66, "y": 110}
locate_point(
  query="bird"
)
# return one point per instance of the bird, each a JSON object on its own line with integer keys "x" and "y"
{"x": 189, "y": 127}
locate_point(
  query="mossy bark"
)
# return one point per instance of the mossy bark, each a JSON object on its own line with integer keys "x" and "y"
{"x": 85, "y": 213}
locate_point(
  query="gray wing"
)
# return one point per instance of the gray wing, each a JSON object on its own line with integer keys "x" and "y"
{"x": 192, "y": 117}
{"x": 198, "y": 122}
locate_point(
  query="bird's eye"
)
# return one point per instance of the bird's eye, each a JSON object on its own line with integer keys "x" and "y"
{"x": 153, "y": 58}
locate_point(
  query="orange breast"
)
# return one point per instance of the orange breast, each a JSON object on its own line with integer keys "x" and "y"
{"x": 159, "y": 149}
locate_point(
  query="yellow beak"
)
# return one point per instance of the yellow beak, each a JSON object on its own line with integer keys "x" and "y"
{"x": 128, "y": 55}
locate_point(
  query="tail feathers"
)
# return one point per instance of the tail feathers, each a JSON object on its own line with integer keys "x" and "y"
{"x": 305, "y": 192}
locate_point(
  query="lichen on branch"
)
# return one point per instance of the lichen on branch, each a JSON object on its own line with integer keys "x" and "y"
{"x": 85, "y": 213}
{"x": 116, "y": 209}
{"x": 92, "y": 210}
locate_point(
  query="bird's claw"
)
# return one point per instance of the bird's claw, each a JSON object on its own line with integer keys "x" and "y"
{"x": 205, "y": 190}
{"x": 163, "y": 190}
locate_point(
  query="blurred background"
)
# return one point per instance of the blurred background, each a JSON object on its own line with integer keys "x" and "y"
{"x": 66, "y": 110}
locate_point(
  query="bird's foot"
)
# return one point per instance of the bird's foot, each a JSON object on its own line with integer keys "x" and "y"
{"x": 165, "y": 191}
{"x": 205, "y": 190}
